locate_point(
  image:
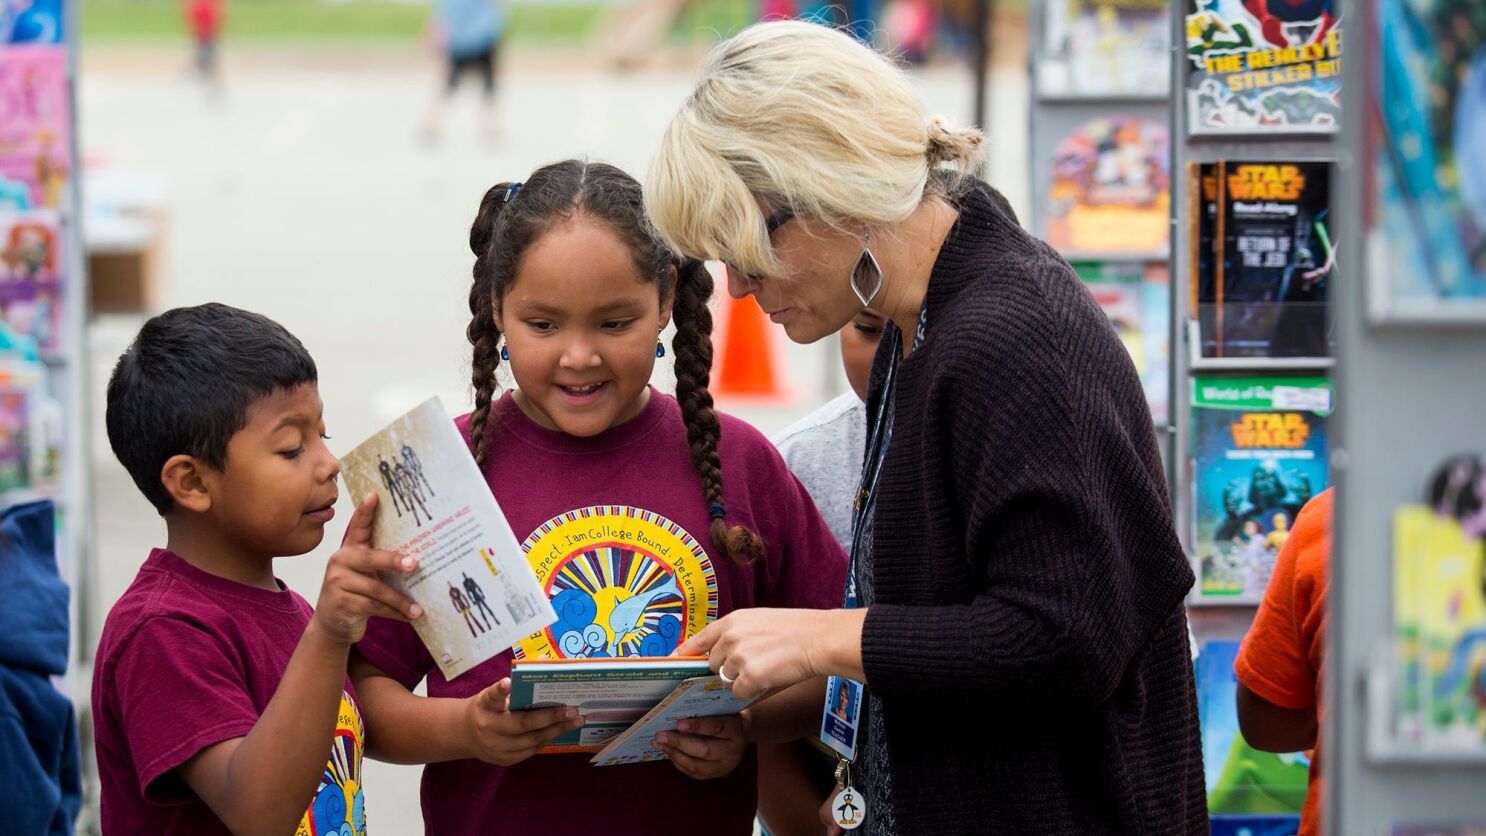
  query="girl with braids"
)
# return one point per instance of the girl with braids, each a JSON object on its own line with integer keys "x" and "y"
{"x": 646, "y": 517}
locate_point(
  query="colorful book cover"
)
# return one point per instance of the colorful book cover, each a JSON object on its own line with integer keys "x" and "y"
{"x": 1259, "y": 453}
{"x": 1257, "y": 66}
{"x": 703, "y": 696}
{"x": 1242, "y": 780}
{"x": 1137, "y": 299}
{"x": 1428, "y": 242}
{"x": 477, "y": 592}
{"x": 28, "y": 436}
{"x": 1105, "y": 48}
{"x": 15, "y": 436}
{"x": 35, "y": 132}
{"x": 1273, "y": 262}
{"x": 1110, "y": 191}
{"x": 31, "y": 277}
{"x": 31, "y": 22}
{"x": 610, "y": 694}
{"x": 1439, "y": 610}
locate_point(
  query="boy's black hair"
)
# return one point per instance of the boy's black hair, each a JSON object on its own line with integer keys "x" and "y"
{"x": 184, "y": 387}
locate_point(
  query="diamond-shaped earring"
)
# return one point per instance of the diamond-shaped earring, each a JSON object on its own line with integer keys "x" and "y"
{"x": 866, "y": 272}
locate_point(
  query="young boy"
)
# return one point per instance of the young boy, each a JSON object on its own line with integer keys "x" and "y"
{"x": 220, "y": 699}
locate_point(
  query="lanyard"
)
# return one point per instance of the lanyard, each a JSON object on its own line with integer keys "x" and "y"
{"x": 841, "y": 720}
{"x": 880, "y": 437}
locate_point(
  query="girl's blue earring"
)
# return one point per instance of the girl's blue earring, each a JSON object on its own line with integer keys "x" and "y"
{"x": 505, "y": 353}
{"x": 660, "y": 349}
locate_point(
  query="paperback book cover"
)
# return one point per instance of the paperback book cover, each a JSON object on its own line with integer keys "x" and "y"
{"x": 31, "y": 22}
{"x": 703, "y": 696}
{"x": 31, "y": 427}
{"x": 478, "y": 594}
{"x": 1263, "y": 67}
{"x": 31, "y": 277}
{"x": 1427, "y": 248}
{"x": 1105, "y": 48}
{"x": 1259, "y": 453}
{"x": 1267, "y": 292}
{"x": 35, "y": 134}
{"x": 610, "y": 694}
{"x": 1439, "y": 610}
{"x": 1137, "y": 299}
{"x": 1242, "y": 781}
{"x": 1111, "y": 188}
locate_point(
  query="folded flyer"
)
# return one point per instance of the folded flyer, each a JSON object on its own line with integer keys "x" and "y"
{"x": 477, "y": 591}
{"x": 610, "y": 694}
{"x": 702, "y": 696}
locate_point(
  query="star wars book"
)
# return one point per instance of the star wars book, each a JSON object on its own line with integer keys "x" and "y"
{"x": 1264, "y": 289}
{"x": 1259, "y": 453}
{"x": 477, "y": 591}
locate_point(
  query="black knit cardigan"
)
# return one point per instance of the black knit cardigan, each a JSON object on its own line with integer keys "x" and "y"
{"x": 1028, "y": 640}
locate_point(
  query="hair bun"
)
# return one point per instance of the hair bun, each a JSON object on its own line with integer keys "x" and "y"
{"x": 958, "y": 146}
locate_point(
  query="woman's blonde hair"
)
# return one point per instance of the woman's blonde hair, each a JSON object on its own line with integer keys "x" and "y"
{"x": 798, "y": 116}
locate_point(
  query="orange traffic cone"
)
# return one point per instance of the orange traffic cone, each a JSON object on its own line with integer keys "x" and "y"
{"x": 743, "y": 359}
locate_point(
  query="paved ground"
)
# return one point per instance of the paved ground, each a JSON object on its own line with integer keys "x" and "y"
{"x": 303, "y": 193}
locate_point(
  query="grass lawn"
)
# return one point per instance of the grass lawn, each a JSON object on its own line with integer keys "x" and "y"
{"x": 295, "y": 20}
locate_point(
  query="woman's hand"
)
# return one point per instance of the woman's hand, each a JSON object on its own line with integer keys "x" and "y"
{"x": 761, "y": 650}
{"x": 706, "y": 747}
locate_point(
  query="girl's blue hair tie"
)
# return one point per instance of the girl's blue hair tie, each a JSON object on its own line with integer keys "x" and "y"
{"x": 716, "y": 511}
{"x": 511, "y": 192}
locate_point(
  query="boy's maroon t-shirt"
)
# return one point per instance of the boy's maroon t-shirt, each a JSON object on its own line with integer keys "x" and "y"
{"x": 562, "y": 494}
{"x": 188, "y": 660}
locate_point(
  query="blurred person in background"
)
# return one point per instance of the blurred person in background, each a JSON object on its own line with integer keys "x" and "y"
{"x": 469, "y": 33}
{"x": 1283, "y": 657}
{"x": 204, "y": 18}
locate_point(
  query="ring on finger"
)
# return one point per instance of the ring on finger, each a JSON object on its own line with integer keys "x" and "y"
{"x": 723, "y": 675}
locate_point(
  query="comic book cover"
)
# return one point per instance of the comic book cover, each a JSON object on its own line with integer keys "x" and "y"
{"x": 1242, "y": 781}
{"x": 1428, "y": 242}
{"x": 31, "y": 278}
{"x": 1105, "y": 48}
{"x": 35, "y": 134}
{"x": 1266, "y": 294}
{"x": 1257, "y": 66}
{"x": 1137, "y": 299}
{"x": 1110, "y": 190}
{"x": 1439, "y": 609}
{"x": 31, "y": 22}
{"x": 1258, "y": 455}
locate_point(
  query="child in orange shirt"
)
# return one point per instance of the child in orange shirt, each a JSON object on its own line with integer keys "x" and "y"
{"x": 1281, "y": 661}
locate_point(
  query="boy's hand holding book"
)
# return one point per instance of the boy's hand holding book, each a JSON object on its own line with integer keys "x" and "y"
{"x": 353, "y": 590}
{"x": 504, "y": 737}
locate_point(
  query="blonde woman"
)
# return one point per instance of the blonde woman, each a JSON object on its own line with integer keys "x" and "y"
{"x": 1019, "y": 584}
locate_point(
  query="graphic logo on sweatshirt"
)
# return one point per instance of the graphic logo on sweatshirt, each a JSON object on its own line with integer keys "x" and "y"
{"x": 624, "y": 582}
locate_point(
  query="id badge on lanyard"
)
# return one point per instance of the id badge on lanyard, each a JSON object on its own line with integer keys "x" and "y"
{"x": 840, "y": 725}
